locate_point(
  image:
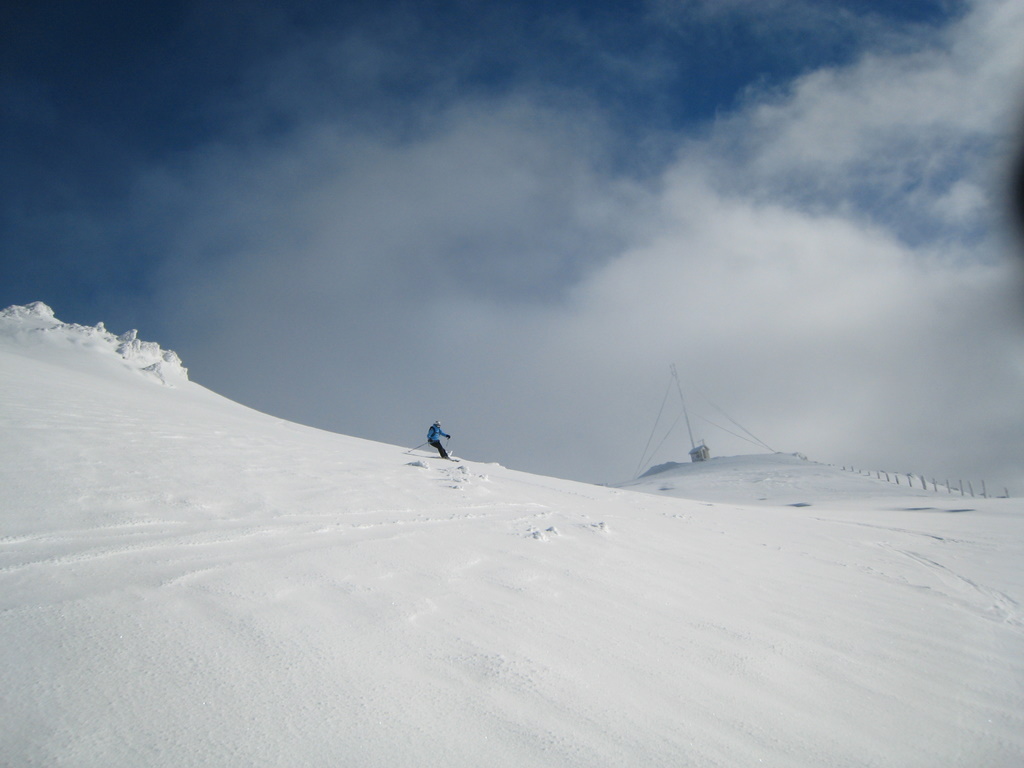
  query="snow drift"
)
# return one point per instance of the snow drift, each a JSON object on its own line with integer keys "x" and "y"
{"x": 185, "y": 581}
{"x": 34, "y": 326}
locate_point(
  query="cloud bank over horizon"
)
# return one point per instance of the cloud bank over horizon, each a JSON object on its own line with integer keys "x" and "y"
{"x": 387, "y": 230}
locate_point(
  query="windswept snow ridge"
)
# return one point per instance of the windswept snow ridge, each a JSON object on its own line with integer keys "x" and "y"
{"x": 764, "y": 479}
{"x": 187, "y": 582}
{"x": 36, "y": 325}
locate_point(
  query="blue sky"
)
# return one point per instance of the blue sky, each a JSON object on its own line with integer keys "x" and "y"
{"x": 95, "y": 92}
{"x": 365, "y": 216}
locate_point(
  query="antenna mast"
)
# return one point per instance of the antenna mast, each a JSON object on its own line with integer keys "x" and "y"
{"x": 679, "y": 386}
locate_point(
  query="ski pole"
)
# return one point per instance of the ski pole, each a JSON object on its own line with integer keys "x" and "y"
{"x": 417, "y": 447}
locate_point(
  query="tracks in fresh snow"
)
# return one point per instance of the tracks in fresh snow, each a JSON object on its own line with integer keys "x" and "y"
{"x": 930, "y": 574}
{"x": 976, "y": 597}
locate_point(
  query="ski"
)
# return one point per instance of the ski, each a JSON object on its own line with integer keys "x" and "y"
{"x": 432, "y": 456}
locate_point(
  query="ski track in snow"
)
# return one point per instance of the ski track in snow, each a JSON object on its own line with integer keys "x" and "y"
{"x": 986, "y": 601}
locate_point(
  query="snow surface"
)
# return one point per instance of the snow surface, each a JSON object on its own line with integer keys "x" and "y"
{"x": 187, "y": 582}
{"x": 776, "y": 479}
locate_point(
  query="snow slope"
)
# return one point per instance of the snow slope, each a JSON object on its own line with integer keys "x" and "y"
{"x": 774, "y": 479}
{"x": 187, "y": 582}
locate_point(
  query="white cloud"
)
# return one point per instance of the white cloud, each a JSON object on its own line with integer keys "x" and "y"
{"x": 964, "y": 201}
{"x": 484, "y": 269}
{"x": 894, "y": 129}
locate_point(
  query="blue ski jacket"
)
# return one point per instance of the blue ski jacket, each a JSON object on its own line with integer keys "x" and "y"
{"x": 435, "y": 433}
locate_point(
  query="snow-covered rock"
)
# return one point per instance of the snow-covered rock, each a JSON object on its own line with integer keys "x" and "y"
{"x": 36, "y": 324}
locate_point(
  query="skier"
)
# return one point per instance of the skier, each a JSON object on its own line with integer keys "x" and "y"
{"x": 434, "y": 435}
